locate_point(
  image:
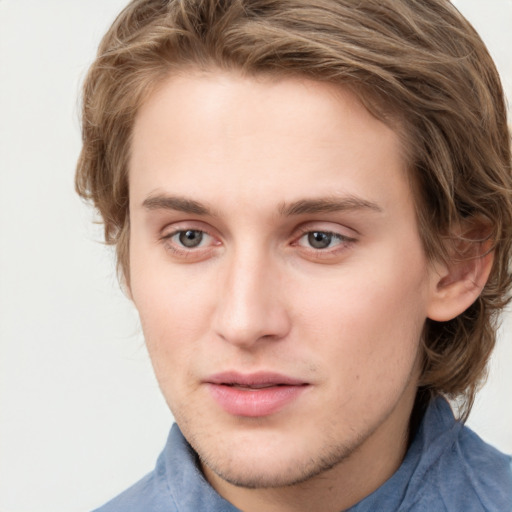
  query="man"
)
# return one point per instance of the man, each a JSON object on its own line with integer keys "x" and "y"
{"x": 311, "y": 205}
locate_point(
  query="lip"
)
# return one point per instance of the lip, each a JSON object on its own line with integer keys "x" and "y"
{"x": 256, "y": 394}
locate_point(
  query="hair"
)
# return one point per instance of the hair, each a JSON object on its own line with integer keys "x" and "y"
{"x": 415, "y": 64}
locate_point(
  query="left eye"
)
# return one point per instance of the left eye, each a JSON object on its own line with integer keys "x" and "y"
{"x": 320, "y": 239}
{"x": 190, "y": 238}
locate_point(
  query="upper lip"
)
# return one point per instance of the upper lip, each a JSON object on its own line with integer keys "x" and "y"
{"x": 257, "y": 379}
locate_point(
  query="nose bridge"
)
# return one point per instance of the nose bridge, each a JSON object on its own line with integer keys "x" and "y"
{"x": 250, "y": 305}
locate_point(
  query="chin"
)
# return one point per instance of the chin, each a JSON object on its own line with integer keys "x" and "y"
{"x": 274, "y": 467}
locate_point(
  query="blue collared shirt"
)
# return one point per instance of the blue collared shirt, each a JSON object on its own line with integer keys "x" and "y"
{"x": 447, "y": 468}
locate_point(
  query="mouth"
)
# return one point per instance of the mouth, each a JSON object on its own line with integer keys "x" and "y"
{"x": 252, "y": 386}
{"x": 254, "y": 395}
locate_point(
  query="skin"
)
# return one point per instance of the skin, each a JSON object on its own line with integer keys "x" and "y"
{"x": 233, "y": 153}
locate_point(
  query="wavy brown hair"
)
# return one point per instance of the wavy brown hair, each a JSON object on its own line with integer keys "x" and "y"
{"x": 417, "y": 65}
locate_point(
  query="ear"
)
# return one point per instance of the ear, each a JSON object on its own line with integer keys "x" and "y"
{"x": 457, "y": 283}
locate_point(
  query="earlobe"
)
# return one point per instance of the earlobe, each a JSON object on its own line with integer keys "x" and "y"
{"x": 458, "y": 283}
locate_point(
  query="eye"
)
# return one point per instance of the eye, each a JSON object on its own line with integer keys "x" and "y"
{"x": 321, "y": 240}
{"x": 190, "y": 238}
{"x": 188, "y": 242}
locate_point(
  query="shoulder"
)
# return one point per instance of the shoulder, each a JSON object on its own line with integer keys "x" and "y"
{"x": 176, "y": 483}
{"x": 150, "y": 494}
{"x": 486, "y": 473}
{"x": 466, "y": 473}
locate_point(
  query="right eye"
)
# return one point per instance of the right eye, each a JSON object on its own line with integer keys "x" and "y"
{"x": 190, "y": 238}
{"x": 321, "y": 239}
{"x": 189, "y": 244}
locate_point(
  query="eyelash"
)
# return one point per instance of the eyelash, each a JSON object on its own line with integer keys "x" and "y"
{"x": 343, "y": 242}
{"x": 182, "y": 251}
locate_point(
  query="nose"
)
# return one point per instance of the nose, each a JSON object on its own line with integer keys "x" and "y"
{"x": 251, "y": 305}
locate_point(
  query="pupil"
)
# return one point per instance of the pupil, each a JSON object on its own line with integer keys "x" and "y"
{"x": 319, "y": 240}
{"x": 191, "y": 238}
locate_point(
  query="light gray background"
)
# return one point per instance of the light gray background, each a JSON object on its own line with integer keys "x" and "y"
{"x": 81, "y": 416}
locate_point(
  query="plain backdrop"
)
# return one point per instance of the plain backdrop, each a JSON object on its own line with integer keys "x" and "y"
{"x": 81, "y": 416}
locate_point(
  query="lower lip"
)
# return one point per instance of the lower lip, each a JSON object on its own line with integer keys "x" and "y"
{"x": 254, "y": 403}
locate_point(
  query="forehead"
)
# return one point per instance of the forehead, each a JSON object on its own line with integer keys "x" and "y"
{"x": 255, "y": 135}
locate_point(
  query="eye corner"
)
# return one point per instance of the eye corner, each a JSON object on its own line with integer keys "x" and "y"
{"x": 322, "y": 244}
{"x": 188, "y": 243}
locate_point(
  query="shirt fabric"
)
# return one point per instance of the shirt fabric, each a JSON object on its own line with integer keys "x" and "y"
{"x": 447, "y": 468}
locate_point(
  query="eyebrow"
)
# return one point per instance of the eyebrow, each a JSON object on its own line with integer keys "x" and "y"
{"x": 327, "y": 205}
{"x": 180, "y": 204}
{"x": 300, "y": 207}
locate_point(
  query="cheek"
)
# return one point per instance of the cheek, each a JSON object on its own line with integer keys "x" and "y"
{"x": 170, "y": 317}
{"x": 369, "y": 327}
{"x": 169, "y": 297}
{"x": 174, "y": 307}
{"x": 170, "y": 326}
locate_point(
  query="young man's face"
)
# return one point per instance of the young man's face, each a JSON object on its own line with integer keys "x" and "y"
{"x": 277, "y": 268}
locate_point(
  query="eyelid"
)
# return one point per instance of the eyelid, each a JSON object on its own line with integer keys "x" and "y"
{"x": 190, "y": 254}
{"x": 342, "y": 240}
{"x": 333, "y": 236}
{"x": 330, "y": 253}
{"x": 328, "y": 228}
{"x": 185, "y": 225}
{"x": 172, "y": 234}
